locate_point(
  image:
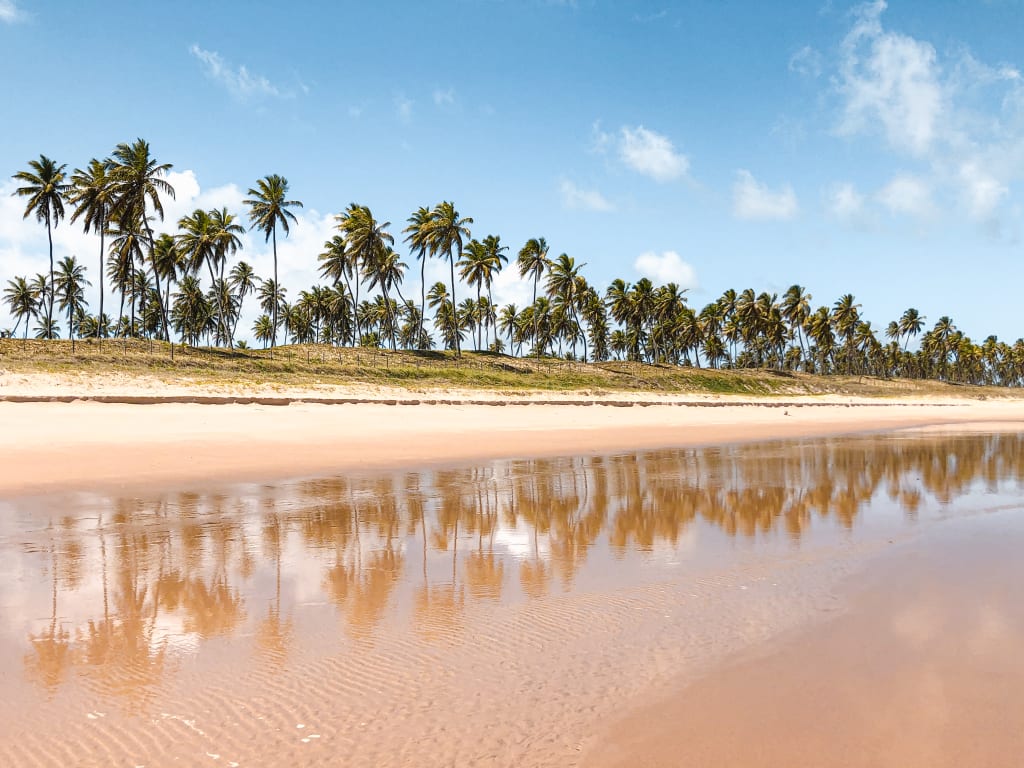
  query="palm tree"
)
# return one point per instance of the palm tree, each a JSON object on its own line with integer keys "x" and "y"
{"x": 366, "y": 240}
{"x": 126, "y": 248}
{"x": 169, "y": 261}
{"x": 22, "y": 301}
{"x": 479, "y": 266}
{"x": 263, "y": 328}
{"x": 846, "y": 316}
{"x": 565, "y": 282}
{"x": 138, "y": 181}
{"x": 533, "y": 260}
{"x": 910, "y": 324}
{"x": 242, "y": 280}
{"x": 92, "y": 194}
{"x": 796, "y": 308}
{"x": 508, "y": 321}
{"x": 70, "y": 291}
{"x": 418, "y": 238}
{"x": 447, "y": 233}
{"x": 386, "y": 270}
{"x": 45, "y": 188}
{"x": 226, "y": 242}
{"x": 268, "y": 207}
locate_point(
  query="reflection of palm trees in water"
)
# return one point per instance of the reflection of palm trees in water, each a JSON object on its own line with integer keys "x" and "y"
{"x": 274, "y": 633}
{"x": 50, "y": 656}
{"x": 177, "y": 562}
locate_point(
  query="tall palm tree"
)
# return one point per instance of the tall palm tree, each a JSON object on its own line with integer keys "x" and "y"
{"x": 170, "y": 261}
{"x": 533, "y": 260}
{"x": 126, "y": 249}
{"x": 910, "y": 324}
{"x": 365, "y": 240}
{"x": 386, "y": 271}
{"x": 448, "y": 232}
{"x": 268, "y": 207}
{"x": 22, "y": 301}
{"x": 70, "y": 291}
{"x": 565, "y": 283}
{"x": 796, "y": 308}
{"x": 138, "y": 182}
{"x": 45, "y": 187}
{"x": 242, "y": 280}
{"x": 418, "y": 238}
{"x": 92, "y": 194}
{"x": 338, "y": 264}
{"x": 227, "y": 241}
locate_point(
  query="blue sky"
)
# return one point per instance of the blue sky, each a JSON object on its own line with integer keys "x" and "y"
{"x": 848, "y": 147}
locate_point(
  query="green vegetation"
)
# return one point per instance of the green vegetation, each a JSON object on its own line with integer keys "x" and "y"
{"x": 635, "y": 336}
{"x": 310, "y": 365}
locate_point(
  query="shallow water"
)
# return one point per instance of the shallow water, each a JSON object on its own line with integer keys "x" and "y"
{"x": 485, "y": 615}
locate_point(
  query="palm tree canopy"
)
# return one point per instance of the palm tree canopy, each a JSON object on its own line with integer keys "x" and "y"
{"x": 268, "y": 205}
{"x": 92, "y": 193}
{"x": 137, "y": 180}
{"x": 45, "y": 186}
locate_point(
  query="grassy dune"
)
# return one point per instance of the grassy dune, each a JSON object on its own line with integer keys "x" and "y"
{"x": 311, "y": 365}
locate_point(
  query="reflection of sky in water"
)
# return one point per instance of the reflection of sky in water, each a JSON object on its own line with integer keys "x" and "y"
{"x": 90, "y": 580}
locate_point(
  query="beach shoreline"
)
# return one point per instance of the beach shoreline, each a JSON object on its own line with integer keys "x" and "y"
{"x": 64, "y": 434}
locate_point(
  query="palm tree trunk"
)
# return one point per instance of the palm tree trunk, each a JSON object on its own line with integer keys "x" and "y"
{"x": 220, "y": 305}
{"x": 156, "y": 279}
{"x": 536, "y": 343}
{"x": 479, "y": 325}
{"x": 423, "y": 295}
{"x": 49, "y": 310}
{"x": 455, "y": 307}
{"x": 277, "y": 291}
{"x": 132, "y": 288}
{"x": 99, "y": 324}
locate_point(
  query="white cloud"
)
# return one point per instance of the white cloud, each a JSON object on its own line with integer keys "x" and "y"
{"x": 981, "y": 192}
{"x": 845, "y": 202}
{"x": 444, "y": 97}
{"x": 651, "y": 154}
{"x": 892, "y": 79}
{"x": 666, "y": 267}
{"x": 907, "y": 195}
{"x": 574, "y": 197}
{"x": 403, "y": 107}
{"x": 239, "y": 82}
{"x": 755, "y": 200}
{"x": 600, "y": 139}
{"x": 10, "y": 12}
{"x": 806, "y": 62}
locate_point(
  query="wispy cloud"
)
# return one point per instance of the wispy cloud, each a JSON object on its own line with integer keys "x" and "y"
{"x": 403, "y": 107}
{"x": 807, "y": 62}
{"x": 10, "y": 12}
{"x": 652, "y": 154}
{"x": 647, "y": 18}
{"x": 574, "y": 197}
{"x": 892, "y": 80}
{"x": 239, "y": 81}
{"x": 845, "y": 203}
{"x": 907, "y": 195}
{"x": 754, "y": 200}
{"x": 444, "y": 97}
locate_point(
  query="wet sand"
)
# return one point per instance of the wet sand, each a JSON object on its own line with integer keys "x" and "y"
{"x": 120, "y": 443}
{"x": 923, "y": 670}
{"x": 499, "y": 613}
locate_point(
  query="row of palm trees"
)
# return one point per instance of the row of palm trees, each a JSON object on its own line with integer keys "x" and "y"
{"x": 160, "y": 277}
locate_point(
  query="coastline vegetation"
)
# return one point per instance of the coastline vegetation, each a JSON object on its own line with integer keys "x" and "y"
{"x": 582, "y": 334}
